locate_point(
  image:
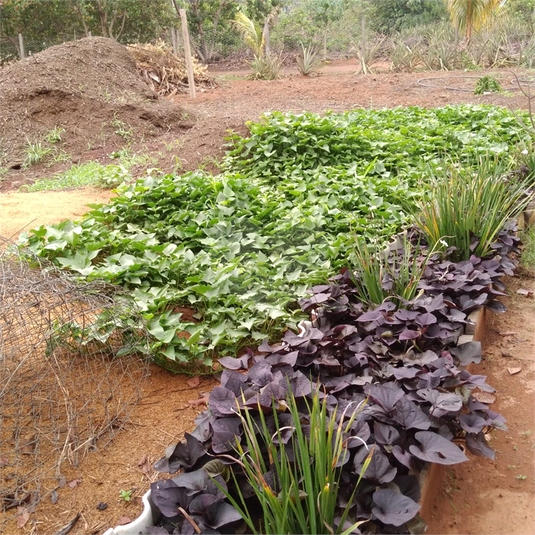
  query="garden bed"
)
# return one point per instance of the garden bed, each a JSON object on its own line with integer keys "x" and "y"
{"x": 336, "y": 342}
{"x": 430, "y": 479}
{"x": 407, "y": 336}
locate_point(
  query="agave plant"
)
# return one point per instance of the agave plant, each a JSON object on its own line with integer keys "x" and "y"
{"x": 307, "y": 62}
{"x": 266, "y": 67}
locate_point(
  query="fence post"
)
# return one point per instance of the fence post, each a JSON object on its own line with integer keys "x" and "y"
{"x": 21, "y": 46}
{"x": 363, "y": 44}
{"x": 267, "y": 44}
{"x": 187, "y": 52}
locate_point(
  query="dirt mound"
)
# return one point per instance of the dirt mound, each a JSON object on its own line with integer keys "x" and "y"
{"x": 89, "y": 88}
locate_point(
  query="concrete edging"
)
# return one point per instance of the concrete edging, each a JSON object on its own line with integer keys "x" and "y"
{"x": 431, "y": 478}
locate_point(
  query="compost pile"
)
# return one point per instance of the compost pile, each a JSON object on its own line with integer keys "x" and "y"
{"x": 86, "y": 87}
{"x": 166, "y": 72}
{"x": 67, "y": 384}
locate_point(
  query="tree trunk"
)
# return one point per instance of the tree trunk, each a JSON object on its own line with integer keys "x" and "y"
{"x": 267, "y": 46}
{"x": 119, "y": 33}
{"x": 469, "y": 15}
{"x": 173, "y": 40}
{"x": 78, "y": 6}
{"x": 187, "y": 52}
{"x": 22, "y": 54}
{"x": 103, "y": 18}
{"x": 211, "y": 49}
{"x": 15, "y": 43}
{"x": 325, "y": 44}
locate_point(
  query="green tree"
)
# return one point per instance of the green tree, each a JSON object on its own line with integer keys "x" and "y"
{"x": 41, "y": 23}
{"x": 522, "y": 9}
{"x": 315, "y": 22}
{"x": 210, "y": 25}
{"x": 324, "y": 13}
{"x": 388, "y": 16}
{"x": 45, "y": 23}
{"x": 471, "y": 15}
{"x": 263, "y": 13}
{"x": 124, "y": 20}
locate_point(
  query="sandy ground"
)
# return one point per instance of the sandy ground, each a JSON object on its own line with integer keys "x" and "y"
{"x": 24, "y": 211}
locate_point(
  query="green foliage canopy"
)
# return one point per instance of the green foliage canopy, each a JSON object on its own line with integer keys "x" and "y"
{"x": 46, "y": 23}
{"x": 388, "y": 16}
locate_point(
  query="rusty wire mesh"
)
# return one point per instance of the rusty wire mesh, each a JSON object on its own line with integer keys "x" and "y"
{"x": 70, "y": 373}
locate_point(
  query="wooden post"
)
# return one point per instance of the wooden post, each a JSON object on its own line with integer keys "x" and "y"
{"x": 21, "y": 46}
{"x": 187, "y": 52}
{"x": 363, "y": 45}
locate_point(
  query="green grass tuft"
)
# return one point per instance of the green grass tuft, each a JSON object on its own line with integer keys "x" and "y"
{"x": 86, "y": 174}
{"x": 528, "y": 254}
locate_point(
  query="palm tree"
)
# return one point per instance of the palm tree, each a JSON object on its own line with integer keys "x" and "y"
{"x": 468, "y": 15}
{"x": 251, "y": 33}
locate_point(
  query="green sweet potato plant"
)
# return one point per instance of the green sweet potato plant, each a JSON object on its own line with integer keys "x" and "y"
{"x": 218, "y": 262}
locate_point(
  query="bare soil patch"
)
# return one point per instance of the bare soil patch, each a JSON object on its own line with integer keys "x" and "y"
{"x": 485, "y": 495}
{"x": 24, "y": 211}
{"x": 93, "y": 83}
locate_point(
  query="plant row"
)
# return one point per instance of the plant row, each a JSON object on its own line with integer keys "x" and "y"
{"x": 345, "y": 414}
{"x": 218, "y": 262}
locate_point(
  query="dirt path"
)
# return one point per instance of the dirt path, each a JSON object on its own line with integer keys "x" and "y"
{"x": 480, "y": 497}
{"x": 484, "y": 497}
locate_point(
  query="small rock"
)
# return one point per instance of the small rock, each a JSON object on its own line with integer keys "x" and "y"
{"x": 513, "y": 371}
{"x": 102, "y": 506}
{"x": 506, "y": 354}
{"x": 124, "y": 520}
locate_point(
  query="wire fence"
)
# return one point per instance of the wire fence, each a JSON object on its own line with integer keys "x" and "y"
{"x": 62, "y": 395}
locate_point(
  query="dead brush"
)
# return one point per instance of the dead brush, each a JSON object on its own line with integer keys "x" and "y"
{"x": 166, "y": 72}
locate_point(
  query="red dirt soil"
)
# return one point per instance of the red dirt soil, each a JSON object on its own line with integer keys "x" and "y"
{"x": 480, "y": 497}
